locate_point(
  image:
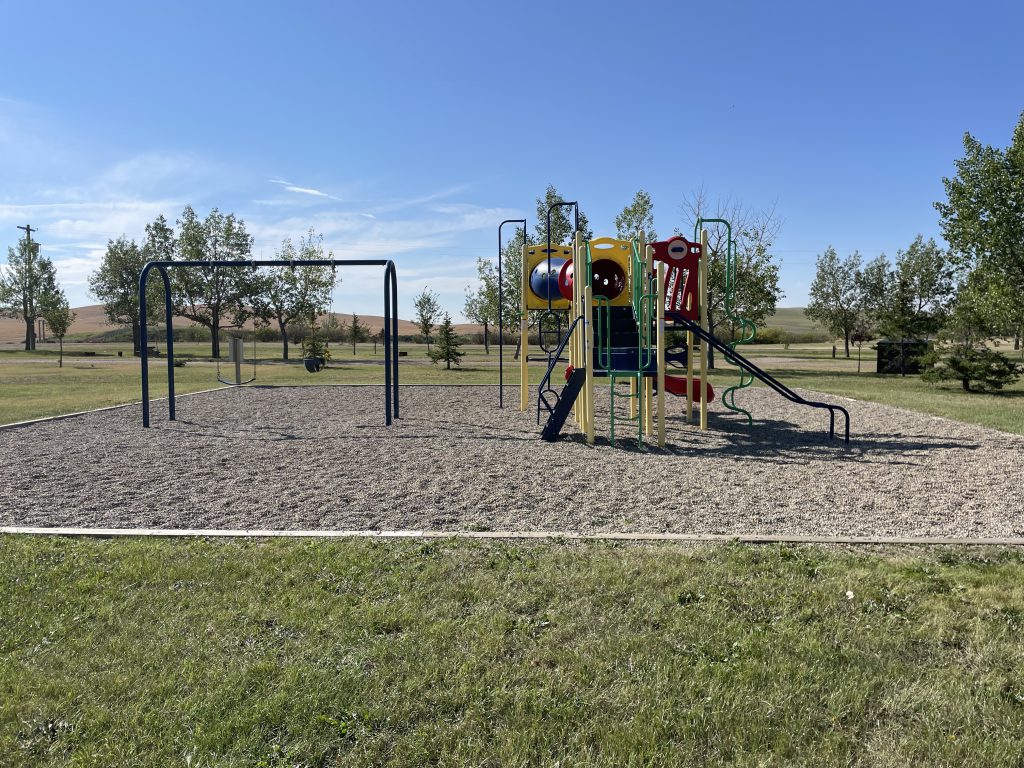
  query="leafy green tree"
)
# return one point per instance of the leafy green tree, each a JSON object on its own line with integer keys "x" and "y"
{"x": 982, "y": 219}
{"x": 835, "y": 295}
{"x": 428, "y": 309}
{"x": 447, "y": 346}
{"x": 972, "y": 320}
{"x": 356, "y": 331}
{"x": 116, "y": 285}
{"x": 482, "y": 303}
{"x": 756, "y": 292}
{"x": 919, "y": 292}
{"x": 284, "y": 295}
{"x": 871, "y": 288}
{"x": 213, "y": 297}
{"x": 638, "y": 216}
{"x": 562, "y": 220}
{"x": 27, "y": 285}
{"x": 512, "y": 285}
{"x": 59, "y": 317}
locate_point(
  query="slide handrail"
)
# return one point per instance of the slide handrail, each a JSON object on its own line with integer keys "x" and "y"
{"x": 736, "y": 358}
{"x": 545, "y": 382}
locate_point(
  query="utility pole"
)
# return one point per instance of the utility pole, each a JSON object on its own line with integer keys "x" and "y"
{"x": 30, "y": 326}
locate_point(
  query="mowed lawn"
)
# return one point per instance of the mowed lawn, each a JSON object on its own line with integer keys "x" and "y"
{"x": 411, "y": 653}
{"x": 31, "y": 387}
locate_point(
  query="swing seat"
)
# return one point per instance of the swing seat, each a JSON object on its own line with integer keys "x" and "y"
{"x": 313, "y": 364}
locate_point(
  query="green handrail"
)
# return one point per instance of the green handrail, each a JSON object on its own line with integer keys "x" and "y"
{"x": 748, "y": 330}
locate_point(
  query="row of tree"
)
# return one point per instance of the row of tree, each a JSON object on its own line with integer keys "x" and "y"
{"x": 214, "y": 298}
{"x": 965, "y": 297}
{"x": 29, "y": 292}
{"x": 908, "y": 299}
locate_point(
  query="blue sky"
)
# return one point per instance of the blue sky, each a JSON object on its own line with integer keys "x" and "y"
{"x": 411, "y": 130}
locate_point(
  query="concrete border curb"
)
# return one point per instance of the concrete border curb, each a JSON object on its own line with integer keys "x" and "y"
{"x": 513, "y": 535}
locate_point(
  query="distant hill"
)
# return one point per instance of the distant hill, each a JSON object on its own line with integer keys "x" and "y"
{"x": 792, "y": 320}
{"x": 88, "y": 320}
{"x": 91, "y": 320}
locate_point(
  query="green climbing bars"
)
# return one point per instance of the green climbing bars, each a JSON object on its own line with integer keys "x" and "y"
{"x": 747, "y": 330}
{"x": 643, "y": 297}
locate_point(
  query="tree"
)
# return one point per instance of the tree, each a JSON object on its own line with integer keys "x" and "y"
{"x": 356, "y": 331}
{"x": 447, "y": 347}
{"x": 427, "y": 311}
{"x": 59, "y": 317}
{"x": 512, "y": 284}
{"x": 27, "y": 285}
{"x": 972, "y": 319}
{"x": 482, "y": 304}
{"x": 983, "y": 222}
{"x": 871, "y": 288}
{"x": 918, "y": 293}
{"x": 284, "y": 295}
{"x": 835, "y": 295}
{"x": 562, "y": 220}
{"x": 638, "y": 216}
{"x": 756, "y": 291}
{"x": 116, "y": 285}
{"x": 206, "y": 295}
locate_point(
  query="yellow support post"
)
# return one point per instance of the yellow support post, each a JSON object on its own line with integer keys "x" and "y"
{"x": 702, "y": 300}
{"x": 661, "y": 354}
{"x": 524, "y": 346}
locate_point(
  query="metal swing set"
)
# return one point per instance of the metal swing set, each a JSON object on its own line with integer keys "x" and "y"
{"x": 237, "y": 350}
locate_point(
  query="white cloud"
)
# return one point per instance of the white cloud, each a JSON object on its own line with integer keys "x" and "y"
{"x": 308, "y": 191}
{"x": 292, "y": 187}
{"x": 430, "y": 237}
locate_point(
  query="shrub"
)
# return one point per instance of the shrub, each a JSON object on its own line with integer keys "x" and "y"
{"x": 267, "y": 333}
{"x": 314, "y": 346}
{"x": 977, "y": 369}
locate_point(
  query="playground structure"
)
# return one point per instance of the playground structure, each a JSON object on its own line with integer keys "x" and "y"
{"x": 608, "y": 308}
{"x": 162, "y": 267}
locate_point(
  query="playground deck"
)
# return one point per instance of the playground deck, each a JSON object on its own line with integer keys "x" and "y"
{"x": 320, "y": 458}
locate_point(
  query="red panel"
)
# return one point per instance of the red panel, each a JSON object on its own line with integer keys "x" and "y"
{"x": 676, "y": 385}
{"x": 683, "y": 260}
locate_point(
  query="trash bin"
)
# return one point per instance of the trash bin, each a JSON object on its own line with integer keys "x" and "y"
{"x": 900, "y": 356}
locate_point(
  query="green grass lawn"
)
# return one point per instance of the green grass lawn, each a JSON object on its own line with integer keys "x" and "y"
{"x": 407, "y": 653}
{"x": 32, "y": 386}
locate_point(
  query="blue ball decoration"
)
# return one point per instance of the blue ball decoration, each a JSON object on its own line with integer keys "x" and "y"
{"x": 544, "y": 279}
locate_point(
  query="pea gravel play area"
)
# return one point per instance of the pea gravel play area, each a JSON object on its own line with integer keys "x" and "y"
{"x": 320, "y": 458}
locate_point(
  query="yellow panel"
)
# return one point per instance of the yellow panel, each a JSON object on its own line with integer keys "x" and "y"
{"x": 536, "y": 254}
{"x": 619, "y": 251}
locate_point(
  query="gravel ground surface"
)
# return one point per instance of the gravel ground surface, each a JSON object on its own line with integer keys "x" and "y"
{"x": 320, "y": 458}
